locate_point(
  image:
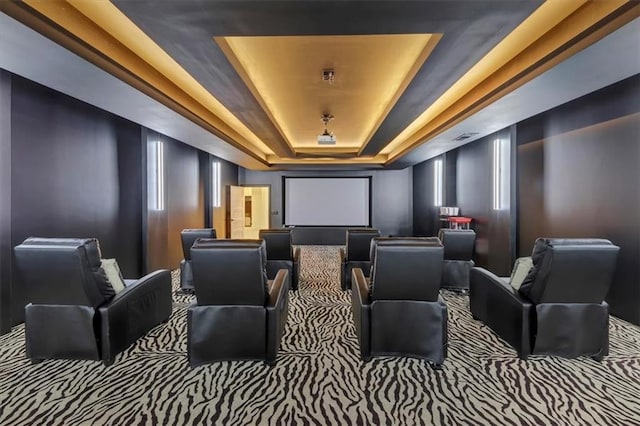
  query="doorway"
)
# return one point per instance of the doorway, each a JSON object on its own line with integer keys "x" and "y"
{"x": 248, "y": 210}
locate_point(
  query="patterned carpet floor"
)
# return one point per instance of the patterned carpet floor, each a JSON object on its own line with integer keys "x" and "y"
{"x": 319, "y": 378}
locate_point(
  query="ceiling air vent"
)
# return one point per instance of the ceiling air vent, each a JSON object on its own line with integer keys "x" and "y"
{"x": 464, "y": 136}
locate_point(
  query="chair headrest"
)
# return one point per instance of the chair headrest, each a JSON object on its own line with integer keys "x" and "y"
{"x": 406, "y": 268}
{"x": 400, "y": 241}
{"x": 570, "y": 270}
{"x": 278, "y": 242}
{"x": 358, "y": 242}
{"x": 237, "y": 242}
{"x": 229, "y": 272}
{"x": 276, "y": 231}
{"x": 458, "y": 243}
{"x": 65, "y": 271}
{"x": 189, "y": 236}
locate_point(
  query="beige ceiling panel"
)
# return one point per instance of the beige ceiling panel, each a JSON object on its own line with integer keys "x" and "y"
{"x": 285, "y": 74}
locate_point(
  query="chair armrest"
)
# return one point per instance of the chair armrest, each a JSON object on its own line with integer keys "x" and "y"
{"x": 277, "y": 311}
{"x": 502, "y": 308}
{"x": 157, "y": 279}
{"x": 280, "y": 285}
{"x": 360, "y": 286}
{"x": 296, "y": 269}
{"x": 361, "y": 311}
{"x": 134, "y": 311}
{"x": 482, "y": 279}
{"x": 186, "y": 276}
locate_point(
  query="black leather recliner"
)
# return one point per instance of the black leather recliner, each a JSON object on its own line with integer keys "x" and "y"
{"x": 239, "y": 314}
{"x": 458, "y": 257}
{"x": 280, "y": 254}
{"x": 72, "y": 314}
{"x": 560, "y": 308}
{"x": 356, "y": 253}
{"x": 400, "y": 311}
{"x": 189, "y": 236}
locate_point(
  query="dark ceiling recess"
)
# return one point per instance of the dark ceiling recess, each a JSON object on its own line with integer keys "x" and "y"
{"x": 185, "y": 30}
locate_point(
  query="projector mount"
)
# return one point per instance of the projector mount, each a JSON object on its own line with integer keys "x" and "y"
{"x": 326, "y": 118}
{"x": 326, "y": 138}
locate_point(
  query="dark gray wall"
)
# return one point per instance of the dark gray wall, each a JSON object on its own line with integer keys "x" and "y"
{"x": 531, "y": 220}
{"x": 184, "y": 204}
{"x": 75, "y": 173}
{"x": 68, "y": 169}
{"x": 494, "y": 239}
{"x": 580, "y": 177}
{"x": 205, "y": 170}
{"x": 130, "y": 193}
{"x": 425, "y": 215}
{"x": 228, "y": 176}
{"x": 450, "y": 161}
{"x": 391, "y": 201}
{"x": 474, "y": 193}
{"x": 5, "y": 204}
{"x": 467, "y": 184}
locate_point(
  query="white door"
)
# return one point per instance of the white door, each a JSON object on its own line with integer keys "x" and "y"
{"x": 236, "y": 211}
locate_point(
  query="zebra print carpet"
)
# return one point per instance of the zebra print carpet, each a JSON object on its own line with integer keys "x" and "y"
{"x": 319, "y": 378}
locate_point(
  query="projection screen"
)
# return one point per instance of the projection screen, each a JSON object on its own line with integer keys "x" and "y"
{"x": 339, "y": 201}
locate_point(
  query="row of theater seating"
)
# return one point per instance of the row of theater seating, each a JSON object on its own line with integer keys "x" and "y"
{"x": 458, "y": 256}
{"x": 280, "y": 254}
{"x": 75, "y": 312}
{"x": 240, "y": 313}
{"x": 559, "y": 308}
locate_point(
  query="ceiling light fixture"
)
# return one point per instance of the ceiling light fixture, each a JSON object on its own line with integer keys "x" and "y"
{"x": 326, "y": 138}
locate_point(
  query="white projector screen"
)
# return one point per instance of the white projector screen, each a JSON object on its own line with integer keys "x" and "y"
{"x": 336, "y": 201}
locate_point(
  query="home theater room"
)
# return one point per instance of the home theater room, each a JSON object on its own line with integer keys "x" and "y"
{"x": 337, "y": 212}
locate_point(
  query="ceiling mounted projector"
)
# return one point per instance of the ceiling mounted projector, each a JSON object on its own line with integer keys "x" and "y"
{"x": 326, "y": 138}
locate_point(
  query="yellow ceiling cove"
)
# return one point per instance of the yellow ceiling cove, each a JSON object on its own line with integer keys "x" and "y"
{"x": 285, "y": 75}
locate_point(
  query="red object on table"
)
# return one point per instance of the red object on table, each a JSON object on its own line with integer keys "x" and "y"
{"x": 459, "y": 222}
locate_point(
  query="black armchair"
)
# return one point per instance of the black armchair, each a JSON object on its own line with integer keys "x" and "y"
{"x": 72, "y": 313}
{"x": 189, "y": 236}
{"x": 356, "y": 253}
{"x": 400, "y": 311}
{"x": 239, "y": 314}
{"x": 560, "y": 308}
{"x": 280, "y": 254}
{"x": 458, "y": 257}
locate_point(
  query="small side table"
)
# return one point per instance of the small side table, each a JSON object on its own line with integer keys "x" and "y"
{"x": 459, "y": 222}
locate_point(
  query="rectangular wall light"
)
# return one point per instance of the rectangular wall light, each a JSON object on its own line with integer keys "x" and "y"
{"x": 156, "y": 176}
{"x": 438, "y": 182}
{"x": 216, "y": 184}
{"x": 500, "y": 175}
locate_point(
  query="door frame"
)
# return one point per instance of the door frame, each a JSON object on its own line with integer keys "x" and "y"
{"x": 228, "y": 207}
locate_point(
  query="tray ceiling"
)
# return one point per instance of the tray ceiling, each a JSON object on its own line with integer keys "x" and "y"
{"x": 250, "y": 72}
